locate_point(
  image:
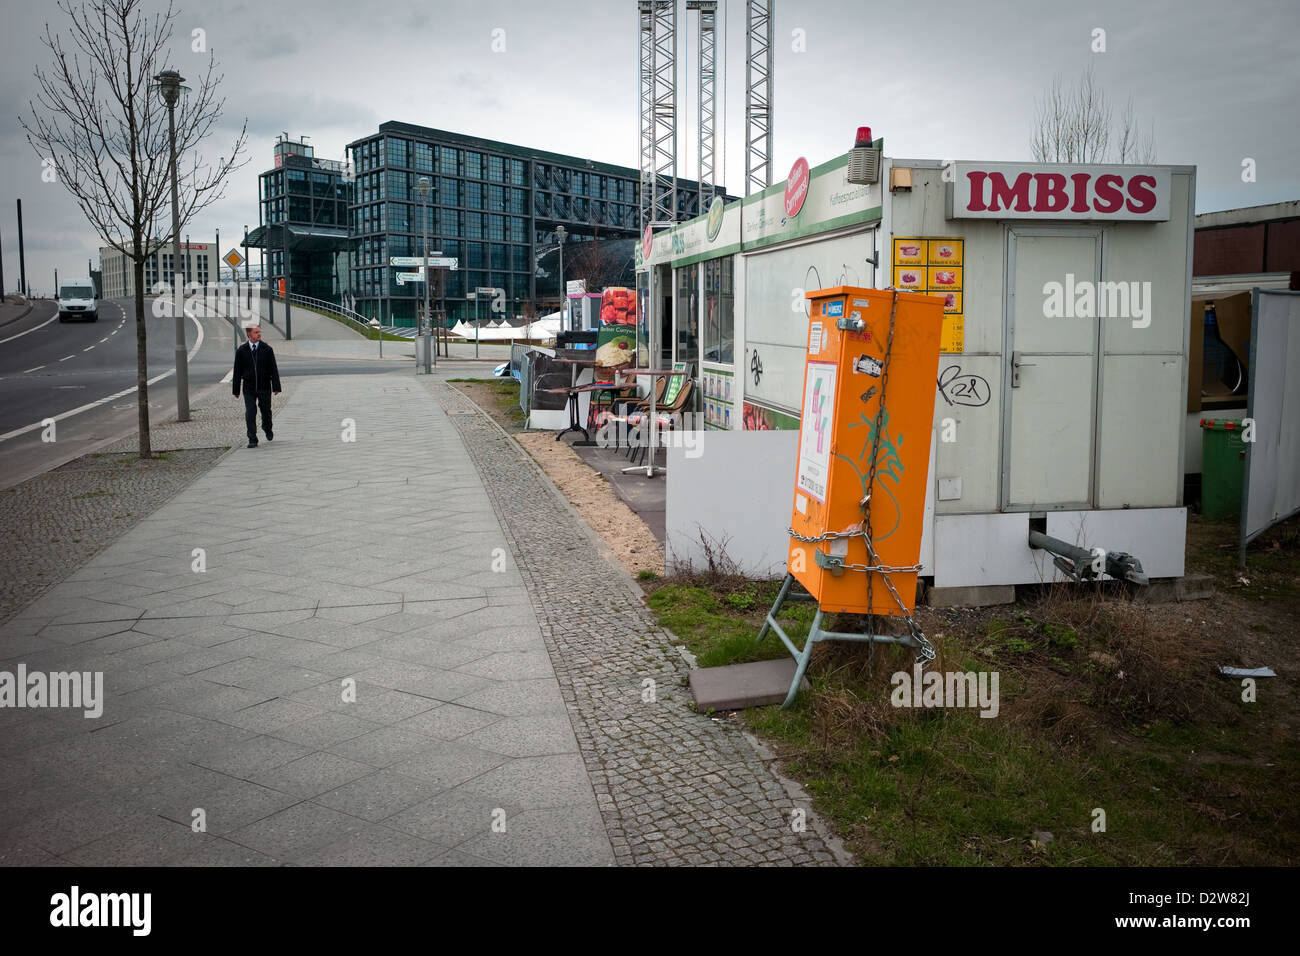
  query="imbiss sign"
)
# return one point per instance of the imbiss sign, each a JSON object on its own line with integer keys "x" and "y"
{"x": 1056, "y": 191}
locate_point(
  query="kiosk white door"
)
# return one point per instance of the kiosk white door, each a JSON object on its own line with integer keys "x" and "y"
{"x": 1050, "y": 385}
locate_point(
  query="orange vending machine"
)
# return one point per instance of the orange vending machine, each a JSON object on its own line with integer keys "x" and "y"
{"x": 863, "y": 459}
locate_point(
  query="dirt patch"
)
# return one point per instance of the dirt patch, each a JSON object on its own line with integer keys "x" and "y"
{"x": 628, "y": 537}
{"x": 624, "y": 533}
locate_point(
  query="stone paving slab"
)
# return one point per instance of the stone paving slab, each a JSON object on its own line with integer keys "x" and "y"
{"x": 317, "y": 692}
{"x": 403, "y": 649}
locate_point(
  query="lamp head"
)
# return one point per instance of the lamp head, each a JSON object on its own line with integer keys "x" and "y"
{"x": 169, "y": 84}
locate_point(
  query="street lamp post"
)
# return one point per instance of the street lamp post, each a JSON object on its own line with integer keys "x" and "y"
{"x": 422, "y": 189}
{"x": 169, "y": 84}
{"x": 560, "y": 233}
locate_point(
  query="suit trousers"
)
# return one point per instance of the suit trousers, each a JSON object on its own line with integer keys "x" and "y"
{"x": 251, "y": 405}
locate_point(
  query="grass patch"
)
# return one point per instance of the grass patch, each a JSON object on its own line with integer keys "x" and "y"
{"x": 719, "y": 628}
{"x": 499, "y": 397}
{"x": 369, "y": 333}
{"x": 1271, "y": 559}
{"x": 1105, "y": 704}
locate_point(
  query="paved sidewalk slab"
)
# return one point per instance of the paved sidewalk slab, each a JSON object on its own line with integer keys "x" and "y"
{"x": 382, "y": 639}
{"x": 310, "y": 651}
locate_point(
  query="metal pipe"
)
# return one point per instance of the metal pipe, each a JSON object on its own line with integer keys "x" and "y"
{"x": 1082, "y": 564}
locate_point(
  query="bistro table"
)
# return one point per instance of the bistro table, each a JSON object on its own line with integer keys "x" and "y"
{"x": 572, "y": 391}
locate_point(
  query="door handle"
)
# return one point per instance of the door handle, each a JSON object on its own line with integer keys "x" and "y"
{"x": 1016, "y": 364}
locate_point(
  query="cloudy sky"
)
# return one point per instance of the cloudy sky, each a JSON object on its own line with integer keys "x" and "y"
{"x": 947, "y": 79}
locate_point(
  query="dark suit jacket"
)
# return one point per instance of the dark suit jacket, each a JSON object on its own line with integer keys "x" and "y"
{"x": 255, "y": 376}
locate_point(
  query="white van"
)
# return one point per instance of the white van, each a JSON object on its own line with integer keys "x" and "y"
{"x": 77, "y": 300}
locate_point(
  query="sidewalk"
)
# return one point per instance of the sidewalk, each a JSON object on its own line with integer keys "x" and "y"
{"x": 497, "y": 662}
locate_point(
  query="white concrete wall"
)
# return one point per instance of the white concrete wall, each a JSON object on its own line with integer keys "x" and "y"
{"x": 738, "y": 492}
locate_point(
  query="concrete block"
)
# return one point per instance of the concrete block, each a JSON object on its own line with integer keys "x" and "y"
{"x": 743, "y": 685}
{"x": 1195, "y": 587}
{"x": 1192, "y": 587}
{"x": 985, "y": 595}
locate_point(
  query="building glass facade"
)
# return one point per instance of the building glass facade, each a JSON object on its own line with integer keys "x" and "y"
{"x": 309, "y": 198}
{"x": 493, "y": 206}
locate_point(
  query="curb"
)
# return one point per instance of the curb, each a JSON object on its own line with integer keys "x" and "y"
{"x": 798, "y": 795}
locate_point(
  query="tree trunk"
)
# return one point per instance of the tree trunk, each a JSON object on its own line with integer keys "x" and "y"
{"x": 141, "y": 358}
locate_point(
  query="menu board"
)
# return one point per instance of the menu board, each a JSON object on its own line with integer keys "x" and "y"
{"x": 934, "y": 264}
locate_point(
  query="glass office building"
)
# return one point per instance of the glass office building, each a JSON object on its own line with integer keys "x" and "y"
{"x": 303, "y": 213}
{"x": 492, "y": 206}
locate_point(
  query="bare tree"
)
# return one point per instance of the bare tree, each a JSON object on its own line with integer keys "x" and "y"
{"x": 1072, "y": 125}
{"x": 102, "y": 124}
{"x": 596, "y": 260}
{"x": 1053, "y": 136}
{"x": 1134, "y": 146}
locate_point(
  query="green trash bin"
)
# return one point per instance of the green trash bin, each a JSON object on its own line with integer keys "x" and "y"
{"x": 1223, "y": 464}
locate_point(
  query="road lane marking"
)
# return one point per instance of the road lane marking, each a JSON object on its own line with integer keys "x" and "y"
{"x": 37, "y": 369}
{"x": 110, "y": 398}
{"x": 66, "y": 357}
{"x": 87, "y": 348}
{"x": 103, "y": 340}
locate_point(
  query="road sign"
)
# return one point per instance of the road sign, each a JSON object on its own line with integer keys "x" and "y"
{"x": 437, "y": 262}
{"x": 233, "y": 259}
{"x": 405, "y": 277}
{"x": 486, "y": 290}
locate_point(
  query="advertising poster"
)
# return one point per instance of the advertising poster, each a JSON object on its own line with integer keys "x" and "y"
{"x": 816, "y": 428}
{"x": 717, "y": 397}
{"x": 933, "y": 265}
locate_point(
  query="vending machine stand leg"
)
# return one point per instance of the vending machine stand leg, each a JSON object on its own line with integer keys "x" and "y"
{"x": 815, "y": 634}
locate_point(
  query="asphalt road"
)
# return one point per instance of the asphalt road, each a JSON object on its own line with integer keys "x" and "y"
{"x": 83, "y": 375}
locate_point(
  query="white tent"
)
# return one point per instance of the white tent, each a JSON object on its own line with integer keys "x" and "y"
{"x": 537, "y": 331}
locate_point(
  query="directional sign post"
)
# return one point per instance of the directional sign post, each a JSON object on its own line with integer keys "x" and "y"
{"x": 436, "y": 262}
{"x": 480, "y": 294}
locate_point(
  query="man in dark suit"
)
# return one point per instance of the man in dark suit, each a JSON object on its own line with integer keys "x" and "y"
{"x": 255, "y": 371}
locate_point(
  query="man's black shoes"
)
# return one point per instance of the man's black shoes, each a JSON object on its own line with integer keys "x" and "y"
{"x": 252, "y": 444}
{"x": 270, "y": 437}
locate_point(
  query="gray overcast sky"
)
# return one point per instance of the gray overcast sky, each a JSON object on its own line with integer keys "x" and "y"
{"x": 946, "y": 79}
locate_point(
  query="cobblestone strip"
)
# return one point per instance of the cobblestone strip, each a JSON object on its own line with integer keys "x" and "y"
{"x": 673, "y": 787}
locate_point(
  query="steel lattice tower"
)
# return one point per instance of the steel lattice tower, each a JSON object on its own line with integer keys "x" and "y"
{"x": 658, "y": 111}
{"x": 758, "y": 95}
{"x": 707, "y": 172}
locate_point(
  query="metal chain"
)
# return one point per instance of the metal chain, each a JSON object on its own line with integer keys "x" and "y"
{"x": 826, "y": 535}
{"x": 883, "y": 568}
{"x": 926, "y": 649}
{"x": 871, "y": 468}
